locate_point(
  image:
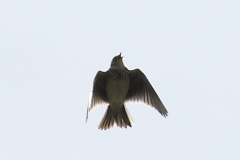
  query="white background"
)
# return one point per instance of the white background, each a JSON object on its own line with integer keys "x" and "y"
{"x": 50, "y": 52}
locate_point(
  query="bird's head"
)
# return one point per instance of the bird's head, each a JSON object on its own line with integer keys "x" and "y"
{"x": 117, "y": 62}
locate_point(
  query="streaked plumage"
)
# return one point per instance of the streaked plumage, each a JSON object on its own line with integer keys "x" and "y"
{"x": 117, "y": 86}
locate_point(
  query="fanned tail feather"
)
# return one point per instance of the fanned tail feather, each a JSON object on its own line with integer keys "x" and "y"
{"x": 122, "y": 118}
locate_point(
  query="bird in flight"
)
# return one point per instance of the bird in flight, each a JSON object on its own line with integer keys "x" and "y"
{"x": 117, "y": 86}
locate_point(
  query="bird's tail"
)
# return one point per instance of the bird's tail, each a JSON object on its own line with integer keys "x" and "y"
{"x": 122, "y": 118}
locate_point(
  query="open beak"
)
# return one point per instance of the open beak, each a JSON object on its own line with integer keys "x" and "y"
{"x": 120, "y": 54}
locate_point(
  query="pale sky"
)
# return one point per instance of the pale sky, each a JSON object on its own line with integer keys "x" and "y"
{"x": 50, "y": 52}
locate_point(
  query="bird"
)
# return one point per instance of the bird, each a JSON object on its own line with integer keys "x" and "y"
{"x": 119, "y": 85}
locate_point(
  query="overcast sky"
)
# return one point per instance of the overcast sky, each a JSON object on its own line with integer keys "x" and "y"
{"x": 50, "y": 52}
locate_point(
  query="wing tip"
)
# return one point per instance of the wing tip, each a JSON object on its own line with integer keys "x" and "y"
{"x": 164, "y": 114}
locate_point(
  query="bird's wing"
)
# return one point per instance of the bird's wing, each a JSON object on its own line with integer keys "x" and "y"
{"x": 140, "y": 89}
{"x": 98, "y": 95}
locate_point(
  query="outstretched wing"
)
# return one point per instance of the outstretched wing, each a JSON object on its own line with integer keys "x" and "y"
{"x": 98, "y": 95}
{"x": 140, "y": 89}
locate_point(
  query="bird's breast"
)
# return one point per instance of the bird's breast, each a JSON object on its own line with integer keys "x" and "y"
{"x": 117, "y": 89}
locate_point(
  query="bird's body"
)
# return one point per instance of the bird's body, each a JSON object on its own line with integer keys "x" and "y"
{"x": 116, "y": 90}
{"x": 117, "y": 86}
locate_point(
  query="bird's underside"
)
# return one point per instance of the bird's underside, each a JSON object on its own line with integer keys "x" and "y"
{"x": 119, "y": 85}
